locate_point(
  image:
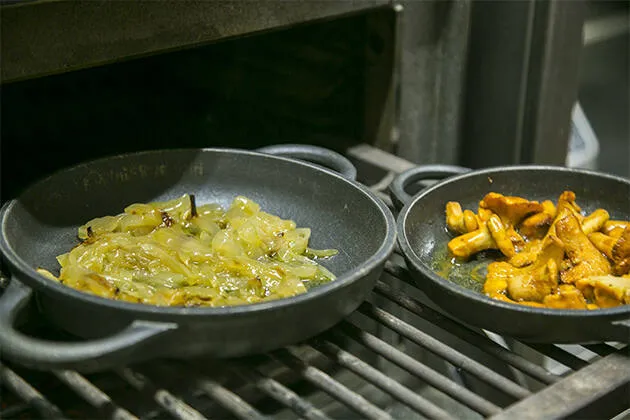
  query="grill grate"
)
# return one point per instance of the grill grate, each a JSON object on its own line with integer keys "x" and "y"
{"x": 396, "y": 357}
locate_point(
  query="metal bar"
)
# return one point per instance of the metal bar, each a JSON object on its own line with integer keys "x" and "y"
{"x": 430, "y": 376}
{"x": 384, "y": 183}
{"x": 171, "y": 404}
{"x": 499, "y": 73}
{"x": 229, "y": 400}
{"x": 330, "y": 386}
{"x": 600, "y": 349}
{"x": 386, "y": 199}
{"x": 284, "y": 395}
{"x": 470, "y": 336}
{"x": 624, "y": 415}
{"x": 379, "y": 158}
{"x": 574, "y": 392}
{"x": 448, "y": 353}
{"x": 28, "y": 394}
{"x": 560, "y": 355}
{"x": 93, "y": 395}
{"x": 380, "y": 380}
{"x": 552, "y": 80}
{"x": 528, "y": 80}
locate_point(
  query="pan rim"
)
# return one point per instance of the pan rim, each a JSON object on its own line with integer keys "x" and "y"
{"x": 20, "y": 269}
{"x": 411, "y": 255}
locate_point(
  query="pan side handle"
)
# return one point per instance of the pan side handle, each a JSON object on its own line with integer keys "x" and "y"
{"x": 84, "y": 356}
{"x": 314, "y": 154}
{"x": 398, "y": 187}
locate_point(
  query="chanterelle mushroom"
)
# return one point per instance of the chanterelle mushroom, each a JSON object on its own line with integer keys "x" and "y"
{"x": 490, "y": 234}
{"x": 531, "y": 283}
{"x": 511, "y": 210}
{"x": 621, "y": 253}
{"x": 536, "y": 225}
{"x": 585, "y": 258}
{"x": 615, "y": 228}
{"x": 470, "y": 243}
{"x": 460, "y": 221}
{"x": 595, "y": 221}
{"x": 606, "y": 291}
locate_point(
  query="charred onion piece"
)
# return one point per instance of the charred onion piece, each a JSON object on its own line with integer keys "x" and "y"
{"x": 167, "y": 220}
{"x": 193, "y": 206}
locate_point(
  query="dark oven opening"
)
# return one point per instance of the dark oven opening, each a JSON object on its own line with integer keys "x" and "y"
{"x": 323, "y": 83}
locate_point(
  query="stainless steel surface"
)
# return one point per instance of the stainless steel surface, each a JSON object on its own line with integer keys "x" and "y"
{"x": 352, "y": 371}
{"x": 47, "y": 37}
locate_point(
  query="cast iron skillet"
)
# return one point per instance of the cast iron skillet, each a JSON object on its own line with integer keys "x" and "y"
{"x": 422, "y": 237}
{"x": 42, "y": 223}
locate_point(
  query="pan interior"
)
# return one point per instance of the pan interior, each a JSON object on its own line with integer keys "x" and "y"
{"x": 425, "y": 224}
{"x": 42, "y": 224}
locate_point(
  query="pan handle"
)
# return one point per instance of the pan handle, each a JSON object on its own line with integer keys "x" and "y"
{"x": 85, "y": 356}
{"x": 314, "y": 154}
{"x": 398, "y": 187}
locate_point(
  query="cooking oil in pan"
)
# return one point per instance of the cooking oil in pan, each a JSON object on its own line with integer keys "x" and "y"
{"x": 470, "y": 274}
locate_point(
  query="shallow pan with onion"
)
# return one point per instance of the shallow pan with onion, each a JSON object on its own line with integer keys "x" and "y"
{"x": 42, "y": 223}
{"x": 423, "y": 238}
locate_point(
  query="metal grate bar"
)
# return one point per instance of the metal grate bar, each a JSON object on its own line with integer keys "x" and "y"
{"x": 601, "y": 349}
{"x": 559, "y": 355}
{"x": 466, "y": 334}
{"x": 380, "y": 380}
{"x": 171, "y": 404}
{"x": 228, "y": 399}
{"x": 577, "y": 390}
{"x": 93, "y": 395}
{"x": 284, "y": 395}
{"x": 453, "y": 389}
{"x": 330, "y": 386}
{"x": 386, "y": 199}
{"x": 28, "y": 394}
{"x": 448, "y": 353}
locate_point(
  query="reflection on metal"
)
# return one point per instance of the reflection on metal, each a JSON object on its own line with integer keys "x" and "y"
{"x": 604, "y": 28}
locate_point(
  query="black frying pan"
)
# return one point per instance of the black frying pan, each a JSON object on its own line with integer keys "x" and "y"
{"x": 423, "y": 237}
{"x": 42, "y": 223}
